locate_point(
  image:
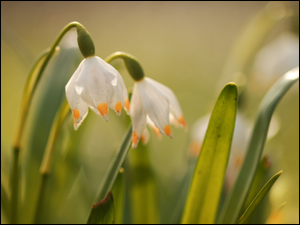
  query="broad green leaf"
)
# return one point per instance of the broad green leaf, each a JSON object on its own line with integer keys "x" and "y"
{"x": 114, "y": 168}
{"x": 44, "y": 108}
{"x": 142, "y": 187}
{"x": 205, "y": 192}
{"x": 235, "y": 200}
{"x": 103, "y": 212}
{"x": 258, "y": 198}
{"x": 119, "y": 193}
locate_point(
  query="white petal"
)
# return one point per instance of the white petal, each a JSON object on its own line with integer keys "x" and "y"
{"x": 155, "y": 105}
{"x": 154, "y": 128}
{"x": 145, "y": 136}
{"x": 95, "y": 85}
{"x": 175, "y": 108}
{"x": 119, "y": 91}
{"x": 138, "y": 115}
{"x": 78, "y": 106}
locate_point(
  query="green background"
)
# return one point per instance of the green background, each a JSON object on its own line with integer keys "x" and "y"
{"x": 183, "y": 45}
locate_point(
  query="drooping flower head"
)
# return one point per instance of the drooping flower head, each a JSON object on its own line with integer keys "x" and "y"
{"x": 95, "y": 84}
{"x": 151, "y": 102}
{"x": 154, "y": 99}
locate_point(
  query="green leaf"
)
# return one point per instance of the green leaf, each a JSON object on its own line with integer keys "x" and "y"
{"x": 235, "y": 200}
{"x": 261, "y": 177}
{"x": 103, "y": 212}
{"x": 204, "y": 195}
{"x": 142, "y": 188}
{"x": 114, "y": 168}
{"x": 4, "y": 201}
{"x": 258, "y": 198}
{"x": 119, "y": 193}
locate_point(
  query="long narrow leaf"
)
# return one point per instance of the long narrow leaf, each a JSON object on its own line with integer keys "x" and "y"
{"x": 204, "y": 195}
{"x": 258, "y": 198}
{"x": 235, "y": 200}
{"x": 259, "y": 180}
{"x": 261, "y": 177}
{"x": 4, "y": 202}
{"x": 114, "y": 168}
{"x": 119, "y": 196}
{"x": 103, "y": 212}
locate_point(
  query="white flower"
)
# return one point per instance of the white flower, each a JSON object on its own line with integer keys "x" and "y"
{"x": 98, "y": 85}
{"x": 157, "y": 101}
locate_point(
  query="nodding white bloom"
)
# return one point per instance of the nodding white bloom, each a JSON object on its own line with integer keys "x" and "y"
{"x": 98, "y": 85}
{"x": 155, "y": 100}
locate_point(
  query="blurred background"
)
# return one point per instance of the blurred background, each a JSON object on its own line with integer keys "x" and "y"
{"x": 186, "y": 46}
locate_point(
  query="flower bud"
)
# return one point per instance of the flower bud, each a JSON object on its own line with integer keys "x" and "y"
{"x": 85, "y": 42}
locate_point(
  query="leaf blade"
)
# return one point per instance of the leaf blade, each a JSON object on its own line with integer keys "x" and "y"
{"x": 258, "y": 198}
{"x": 210, "y": 170}
{"x": 103, "y": 212}
{"x": 236, "y": 198}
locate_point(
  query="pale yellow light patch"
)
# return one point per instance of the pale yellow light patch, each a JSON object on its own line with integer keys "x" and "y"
{"x": 195, "y": 148}
{"x": 167, "y": 130}
{"x": 238, "y": 162}
{"x": 76, "y": 114}
{"x": 118, "y": 107}
{"x": 103, "y": 109}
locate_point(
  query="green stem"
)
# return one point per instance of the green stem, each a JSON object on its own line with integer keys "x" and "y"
{"x": 132, "y": 64}
{"x": 45, "y": 169}
{"x": 14, "y": 187}
{"x": 16, "y": 147}
{"x": 30, "y": 87}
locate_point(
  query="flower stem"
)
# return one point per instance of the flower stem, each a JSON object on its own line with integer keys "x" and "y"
{"x": 31, "y": 84}
{"x": 16, "y": 146}
{"x": 47, "y": 161}
{"x": 132, "y": 64}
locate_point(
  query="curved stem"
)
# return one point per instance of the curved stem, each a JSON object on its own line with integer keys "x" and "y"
{"x": 30, "y": 87}
{"x": 132, "y": 64}
{"x": 53, "y": 137}
{"x": 34, "y": 79}
{"x": 45, "y": 168}
{"x": 16, "y": 147}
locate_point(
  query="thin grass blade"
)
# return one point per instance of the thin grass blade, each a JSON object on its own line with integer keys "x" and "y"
{"x": 258, "y": 198}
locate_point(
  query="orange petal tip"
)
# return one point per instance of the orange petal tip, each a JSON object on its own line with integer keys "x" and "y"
{"x": 76, "y": 114}
{"x": 103, "y": 109}
{"x": 168, "y": 131}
